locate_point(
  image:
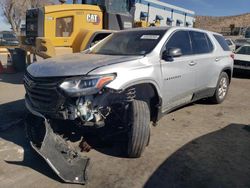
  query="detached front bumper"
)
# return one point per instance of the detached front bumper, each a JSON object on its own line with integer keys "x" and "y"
{"x": 64, "y": 160}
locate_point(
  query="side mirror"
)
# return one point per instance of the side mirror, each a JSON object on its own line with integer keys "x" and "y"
{"x": 170, "y": 53}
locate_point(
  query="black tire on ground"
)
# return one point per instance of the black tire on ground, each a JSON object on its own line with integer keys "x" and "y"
{"x": 218, "y": 97}
{"x": 139, "y": 133}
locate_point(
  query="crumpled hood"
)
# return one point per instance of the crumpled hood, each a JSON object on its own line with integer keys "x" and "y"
{"x": 74, "y": 64}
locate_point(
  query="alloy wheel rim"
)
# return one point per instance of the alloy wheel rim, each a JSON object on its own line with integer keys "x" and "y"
{"x": 222, "y": 91}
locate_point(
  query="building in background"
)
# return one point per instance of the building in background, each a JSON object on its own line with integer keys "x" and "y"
{"x": 168, "y": 15}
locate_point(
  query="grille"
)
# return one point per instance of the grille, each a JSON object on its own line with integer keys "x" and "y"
{"x": 242, "y": 63}
{"x": 42, "y": 93}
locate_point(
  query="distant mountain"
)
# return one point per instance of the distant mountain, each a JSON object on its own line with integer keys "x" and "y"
{"x": 217, "y": 23}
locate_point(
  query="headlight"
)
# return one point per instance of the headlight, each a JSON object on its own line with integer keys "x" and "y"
{"x": 86, "y": 85}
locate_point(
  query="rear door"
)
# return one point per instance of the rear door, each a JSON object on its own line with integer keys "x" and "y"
{"x": 204, "y": 60}
{"x": 178, "y": 74}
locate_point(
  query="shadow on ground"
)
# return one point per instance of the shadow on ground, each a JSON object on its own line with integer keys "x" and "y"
{"x": 16, "y": 78}
{"x": 12, "y": 113}
{"x": 12, "y": 130}
{"x": 219, "y": 159}
{"x": 31, "y": 159}
{"x": 108, "y": 140}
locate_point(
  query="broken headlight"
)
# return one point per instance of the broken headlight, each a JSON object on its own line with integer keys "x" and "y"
{"x": 89, "y": 85}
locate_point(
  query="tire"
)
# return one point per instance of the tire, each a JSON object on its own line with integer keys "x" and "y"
{"x": 139, "y": 132}
{"x": 221, "y": 89}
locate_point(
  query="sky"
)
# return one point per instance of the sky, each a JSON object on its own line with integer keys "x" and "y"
{"x": 3, "y": 25}
{"x": 201, "y": 7}
{"x": 214, "y": 7}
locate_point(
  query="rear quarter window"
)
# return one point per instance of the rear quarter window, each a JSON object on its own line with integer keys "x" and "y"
{"x": 221, "y": 40}
{"x": 201, "y": 44}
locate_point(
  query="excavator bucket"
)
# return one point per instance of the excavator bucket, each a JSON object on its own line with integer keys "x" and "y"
{"x": 64, "y": 160}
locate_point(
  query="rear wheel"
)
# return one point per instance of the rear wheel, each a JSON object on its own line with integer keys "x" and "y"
{"x": 139, "y": 131}
{"x": 221, "y": 89}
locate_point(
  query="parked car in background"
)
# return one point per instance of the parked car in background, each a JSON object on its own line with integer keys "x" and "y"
{"x": 247, "y": 33}
{"x": 231, "y": 44}
{"x": 8, "y": 38}
{"x": 241, "y": 42}
{"x": 242, "y": 58}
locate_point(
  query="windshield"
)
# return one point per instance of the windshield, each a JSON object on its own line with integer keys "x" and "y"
{"x": 245, "y": 50}
{"x": 129, "y": 43}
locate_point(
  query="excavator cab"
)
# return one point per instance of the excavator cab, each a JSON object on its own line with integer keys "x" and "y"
{"x": 117, "y": 15}
{"x": 70, "y": 28}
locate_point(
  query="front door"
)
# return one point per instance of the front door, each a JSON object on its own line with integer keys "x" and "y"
{"x": 179, "y": 73}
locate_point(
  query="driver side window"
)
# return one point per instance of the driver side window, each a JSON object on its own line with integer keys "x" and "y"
{"x": 180, "y": 39}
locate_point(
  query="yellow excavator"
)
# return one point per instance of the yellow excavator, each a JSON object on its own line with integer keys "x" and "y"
{"x": 70, "y": 28}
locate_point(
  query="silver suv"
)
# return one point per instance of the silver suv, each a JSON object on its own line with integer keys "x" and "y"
{"x": 130, "y": 79}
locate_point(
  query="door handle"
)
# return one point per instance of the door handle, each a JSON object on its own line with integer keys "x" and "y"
{"x": 192, "y": 63}
{"x": 217, "y": 59}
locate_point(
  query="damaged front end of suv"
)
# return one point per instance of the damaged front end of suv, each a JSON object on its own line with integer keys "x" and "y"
{"x": 112, "y": 85}
{"x": 83, "y": 101}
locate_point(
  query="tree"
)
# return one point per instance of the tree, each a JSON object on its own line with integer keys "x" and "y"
{"x": 14, "y": 10}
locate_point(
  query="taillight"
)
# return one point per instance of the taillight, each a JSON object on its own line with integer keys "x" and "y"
{"x": 232, "y": 56}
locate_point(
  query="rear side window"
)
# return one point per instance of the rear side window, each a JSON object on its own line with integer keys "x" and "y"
{"x": 180, "y": 39}
{"x": 222, "y": 42}
{"x": 201, "y": 44}
{"x": 210, "y": 45}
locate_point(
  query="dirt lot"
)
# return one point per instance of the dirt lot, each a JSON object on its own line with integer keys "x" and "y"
{"x": 197, "y": 146}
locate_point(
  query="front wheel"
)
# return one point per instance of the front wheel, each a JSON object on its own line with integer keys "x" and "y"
{"x": 221, "y": 89}
{"x": 139, "y": 130}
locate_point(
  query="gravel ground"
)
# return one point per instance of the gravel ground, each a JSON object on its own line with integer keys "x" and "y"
{"x": 196, "y": 146}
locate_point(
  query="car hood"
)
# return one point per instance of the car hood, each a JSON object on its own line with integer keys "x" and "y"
{"x": 75, "y": 64}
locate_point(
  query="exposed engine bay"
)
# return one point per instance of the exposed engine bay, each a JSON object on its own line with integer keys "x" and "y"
{"x": 94, "y": 109}
{"x": 84, "y": 100}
